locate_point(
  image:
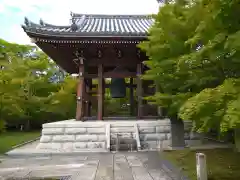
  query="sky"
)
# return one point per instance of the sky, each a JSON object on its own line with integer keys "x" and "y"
{"x": 57, "y": 12}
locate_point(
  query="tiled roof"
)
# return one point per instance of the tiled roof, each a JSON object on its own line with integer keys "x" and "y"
{"x": 95, "y": 25}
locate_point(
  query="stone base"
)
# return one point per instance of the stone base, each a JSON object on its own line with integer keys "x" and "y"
{"x": 75, "y": 136}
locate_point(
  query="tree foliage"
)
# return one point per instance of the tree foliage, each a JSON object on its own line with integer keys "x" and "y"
{"x": 34, "y": 90}
{"x": 28, "y": 90}
{"x": 193, "y": 50}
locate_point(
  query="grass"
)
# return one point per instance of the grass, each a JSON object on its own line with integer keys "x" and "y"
{"x": 222, "y": 164}
{"x": 10, "y": 139}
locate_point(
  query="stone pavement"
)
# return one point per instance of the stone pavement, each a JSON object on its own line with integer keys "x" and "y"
{"x": 90, "y": 166}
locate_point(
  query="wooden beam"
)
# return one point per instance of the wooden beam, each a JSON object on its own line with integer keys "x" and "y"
{"x": 112, "y": 75}
{"x": 88, "y": 99}
{"x": 139, "y": 91}
{"x": 108, "y": 85}
{"x": 104, "y": 90}
{"x": 128, "y": 62}
{"x": 119, "y": 74}
{"x": 100, "y": 92}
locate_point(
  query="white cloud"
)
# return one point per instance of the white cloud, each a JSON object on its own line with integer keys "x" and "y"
{"x": 58, "y": 12}
{"x": 16, "y": 34}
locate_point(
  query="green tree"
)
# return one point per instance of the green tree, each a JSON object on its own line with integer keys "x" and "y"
{"x": 26, "y": 86}
{"x": 7, "y": 52}
{"x": 193, "y": 51}
{"x": 63, "y": 101}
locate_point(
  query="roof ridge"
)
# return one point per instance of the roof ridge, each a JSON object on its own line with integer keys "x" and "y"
{"x": 96, "y": 26}
{"x": 77, "y": 15}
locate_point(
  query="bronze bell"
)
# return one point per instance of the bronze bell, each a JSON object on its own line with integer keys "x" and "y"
{"x": 118, "y": 88}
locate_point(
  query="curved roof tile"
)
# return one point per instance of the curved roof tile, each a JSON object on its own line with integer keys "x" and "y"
{"x": 96, "y": 25}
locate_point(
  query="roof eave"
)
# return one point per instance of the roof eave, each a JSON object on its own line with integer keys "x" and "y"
{"x": 83, "y": 35}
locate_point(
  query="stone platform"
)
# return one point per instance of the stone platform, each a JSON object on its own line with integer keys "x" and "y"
{"x": 91, "y": 136}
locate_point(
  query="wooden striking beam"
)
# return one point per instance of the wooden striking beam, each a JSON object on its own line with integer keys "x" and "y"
{"x": 139, "y": 90}
{"x": 100, "y": 92}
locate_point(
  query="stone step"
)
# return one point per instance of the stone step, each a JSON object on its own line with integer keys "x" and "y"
{"x": 123, "y": 147}
{"x": 123, "y": 141}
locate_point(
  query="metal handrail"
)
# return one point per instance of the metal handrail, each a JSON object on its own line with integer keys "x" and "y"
{"x": 137, "y": 137}
{"x": 108, "y": 136}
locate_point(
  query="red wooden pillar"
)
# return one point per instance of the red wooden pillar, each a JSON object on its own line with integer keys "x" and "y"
{"x": 100, "y": 92}
{"x": 139, "y": 91}
{"x": 80, "y": 93}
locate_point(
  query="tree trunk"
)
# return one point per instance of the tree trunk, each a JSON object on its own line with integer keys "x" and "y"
{"x": 237, "y": 139}
{"x": 27, "y": 126}
{"x": 177, "y": 134}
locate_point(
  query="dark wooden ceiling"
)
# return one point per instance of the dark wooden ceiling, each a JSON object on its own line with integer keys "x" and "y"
{"x": 110, "y": 55}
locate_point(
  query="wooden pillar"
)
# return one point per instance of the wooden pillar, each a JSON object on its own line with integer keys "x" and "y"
{"x": 100, "y": 92}
{"x": 80, "y": 93}
{"x": 88, "y": 102}
{"x": 139, "y": 91}
{"x": 131, "y": 99}
{"x": 104, "y": 90}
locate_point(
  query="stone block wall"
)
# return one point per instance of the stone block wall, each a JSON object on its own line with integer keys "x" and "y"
{"x": 77, "y": 136}
{"x": 155, "y": 135}
{"x": 73, "y": 136}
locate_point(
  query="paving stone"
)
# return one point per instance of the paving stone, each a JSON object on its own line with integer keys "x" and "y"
{"x": 140, "y": 173}
{"x": 122, "y": 171}
{"x": 133, "y": 161}
{"x": 86, "y": 173}
{"x": 20, "y": 174}
{"x": 153, "y": 165}
{"x": 53, "y": 172}
{"x": 105, "y": 168}
{"x": 157, "y": 174}
{"x": 69, "y": 158}
{"x": 92, "y": 166}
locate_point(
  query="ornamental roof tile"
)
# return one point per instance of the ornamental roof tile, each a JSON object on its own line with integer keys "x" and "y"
{"x": 95, "y": 25}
